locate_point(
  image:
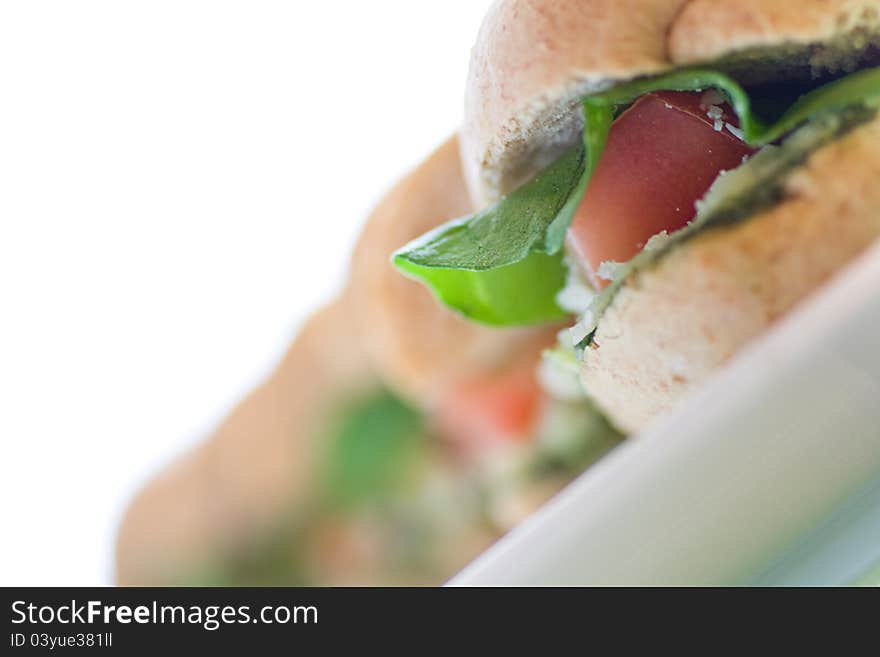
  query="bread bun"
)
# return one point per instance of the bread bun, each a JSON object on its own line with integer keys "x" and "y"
{"x": 419, "y": 347}
{"x": 212, "y": 502}
{"x": 672, "y": 325}
{"x": 535, "y": 59}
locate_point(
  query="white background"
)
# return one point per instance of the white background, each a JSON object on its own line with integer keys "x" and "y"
{"x": 180, "y": 184}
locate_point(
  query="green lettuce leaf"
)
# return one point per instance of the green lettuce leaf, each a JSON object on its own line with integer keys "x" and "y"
{"x": 503, "y": 265}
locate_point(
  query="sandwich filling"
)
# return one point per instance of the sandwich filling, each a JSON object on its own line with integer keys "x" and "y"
{"x": 661, "y": 156}
{"x": 504, "y": 265}
{"x": 404, "y": 498}
{"x": 661, "y": 159}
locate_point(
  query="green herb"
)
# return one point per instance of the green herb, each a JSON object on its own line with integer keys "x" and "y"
{"x": 503, "y": 265}
{"x": 371, "y": 451}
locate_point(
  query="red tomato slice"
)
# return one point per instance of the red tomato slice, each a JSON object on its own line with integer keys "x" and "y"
{"x": 662, "y": 155}
{"x": 492, "y": 410}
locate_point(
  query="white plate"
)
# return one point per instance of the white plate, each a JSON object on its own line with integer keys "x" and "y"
{"x": 742, "y": 481}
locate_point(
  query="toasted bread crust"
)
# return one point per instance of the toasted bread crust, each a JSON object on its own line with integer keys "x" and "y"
{"x": 259, "y": 463}
{"x": 419, "y": 347}
{"x": 709, "y": 29}
{"x": 672, "y": 325}
{"x": 535, "y": 59}
{"x": 532, "y": 62}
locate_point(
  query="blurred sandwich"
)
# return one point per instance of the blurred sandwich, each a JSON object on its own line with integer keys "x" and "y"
{"x": 391, "y": 445}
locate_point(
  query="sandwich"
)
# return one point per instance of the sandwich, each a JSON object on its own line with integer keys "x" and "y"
{"x": 321, "y": 476}
{"x": 667, "y": 177}
{"x": 392, "y": 444}
{"x": 485, "y": 388}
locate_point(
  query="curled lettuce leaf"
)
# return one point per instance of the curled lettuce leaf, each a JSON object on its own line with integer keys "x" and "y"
{"x": 503, "y": 265}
